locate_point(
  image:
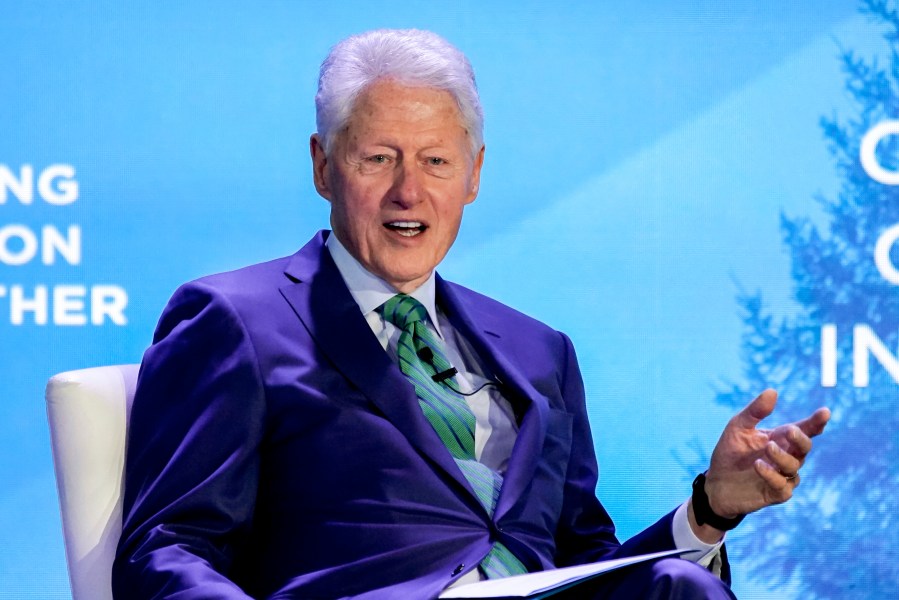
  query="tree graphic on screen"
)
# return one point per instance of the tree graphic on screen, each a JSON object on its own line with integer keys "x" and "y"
{"x": 839, "y": 537}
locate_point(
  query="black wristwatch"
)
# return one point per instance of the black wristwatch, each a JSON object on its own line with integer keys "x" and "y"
{"x": 704, "y": 513}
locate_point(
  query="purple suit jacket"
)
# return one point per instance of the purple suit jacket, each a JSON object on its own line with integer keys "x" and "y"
{"x": 276, "y": 451}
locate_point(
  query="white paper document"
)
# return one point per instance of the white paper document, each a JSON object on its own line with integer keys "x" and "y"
{"x": 535, "y": 585}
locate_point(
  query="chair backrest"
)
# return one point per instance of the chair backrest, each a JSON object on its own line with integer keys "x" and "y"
{"x": 88, "y": 412}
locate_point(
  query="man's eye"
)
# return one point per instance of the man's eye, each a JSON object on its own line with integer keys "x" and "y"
{"x": 436, "y": 161}
{"x": 378, "y": 159}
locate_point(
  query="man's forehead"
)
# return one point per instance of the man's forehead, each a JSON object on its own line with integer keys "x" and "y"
{"x": 394, "y": 109}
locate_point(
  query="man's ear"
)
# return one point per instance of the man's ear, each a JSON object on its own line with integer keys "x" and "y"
{"x": 476, "y": 176}
{"x": 319, "y": 167}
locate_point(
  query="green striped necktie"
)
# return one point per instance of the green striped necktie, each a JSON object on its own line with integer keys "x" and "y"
{"x": 421, "y": 357}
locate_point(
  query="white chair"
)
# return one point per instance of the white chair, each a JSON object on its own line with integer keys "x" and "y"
{"x": 88, "y": 412}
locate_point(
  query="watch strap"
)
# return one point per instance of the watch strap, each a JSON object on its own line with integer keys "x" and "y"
{"x": 703, "y": 511}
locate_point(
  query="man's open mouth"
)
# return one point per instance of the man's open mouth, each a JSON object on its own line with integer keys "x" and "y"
{"x": 406, "y": 228}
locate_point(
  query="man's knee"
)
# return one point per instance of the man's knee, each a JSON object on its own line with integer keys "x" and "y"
{"x": 667, "y": 579}
{"x": 675, "y": 578}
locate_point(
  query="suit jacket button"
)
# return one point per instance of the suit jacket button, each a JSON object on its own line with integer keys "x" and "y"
{"x": 458, "y": 569}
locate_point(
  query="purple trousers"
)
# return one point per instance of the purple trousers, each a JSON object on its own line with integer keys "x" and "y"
{"x": 666, "y": 579}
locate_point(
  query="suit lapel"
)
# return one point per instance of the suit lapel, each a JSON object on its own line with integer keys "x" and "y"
{"x": 320, "y": 298}
{"x": 484, "y": 330}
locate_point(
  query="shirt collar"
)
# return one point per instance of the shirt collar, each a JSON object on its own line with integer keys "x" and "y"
{"x": 370, "y": 291}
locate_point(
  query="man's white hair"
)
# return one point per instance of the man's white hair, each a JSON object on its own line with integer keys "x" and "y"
{"x": 408, "y": 56}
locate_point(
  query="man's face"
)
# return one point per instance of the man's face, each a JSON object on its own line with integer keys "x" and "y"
{"x": 397, "y": 179}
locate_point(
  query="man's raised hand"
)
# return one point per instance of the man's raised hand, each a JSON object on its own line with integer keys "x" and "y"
{"x": 753, "y": 468}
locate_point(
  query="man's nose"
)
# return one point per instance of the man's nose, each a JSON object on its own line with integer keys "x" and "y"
{"x": 408, "y": 185}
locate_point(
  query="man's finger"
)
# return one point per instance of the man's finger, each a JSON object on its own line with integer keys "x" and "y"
{"x": 783, "y": 461}
{"x": 790, "y": 438}
{"x": 755, "y": 411}
{"x": 814, "y": 424}
{"x": 780, "y": 488}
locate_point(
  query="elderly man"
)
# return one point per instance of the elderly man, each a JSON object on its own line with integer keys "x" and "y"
{"x": 345, "y": 423}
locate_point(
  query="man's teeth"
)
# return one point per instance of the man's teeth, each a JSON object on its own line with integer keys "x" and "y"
{"x": 406, "y": 228}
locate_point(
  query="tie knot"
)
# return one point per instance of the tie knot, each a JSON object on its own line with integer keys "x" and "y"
{"x": 403, "y": 310}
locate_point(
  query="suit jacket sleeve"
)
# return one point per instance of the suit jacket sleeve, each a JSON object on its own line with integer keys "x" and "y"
{"x": 192, "y": 459}
{"x": 586, "y": 532}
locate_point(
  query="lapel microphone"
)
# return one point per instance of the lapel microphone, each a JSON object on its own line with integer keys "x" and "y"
{"x": 427, "y": 355}
{"x": 444, "y": 375}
